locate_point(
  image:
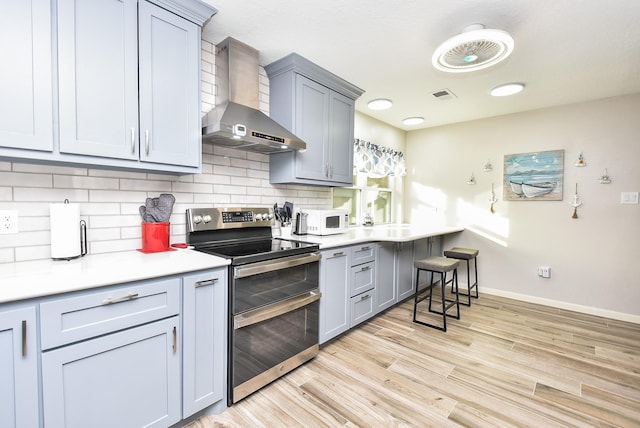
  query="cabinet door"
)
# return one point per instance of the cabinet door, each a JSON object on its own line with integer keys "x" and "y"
{"x": 362, "y": 307}
{"x": 312, "y": 125}
{"x": 26, "y": 104}
{"x": 19, "y": 368}
{"x": 204, "y": 323}
{"x": 386, "y": 292}
{"x": 363, "y": 278}
{"x": 98, "y": 77}
{"x": 125, "y": 379}
{"x": 170, "y": 130}
{"x": 405, "y": 271}
{"x": 334, "y": 286}
{"x": 340, "y": 156}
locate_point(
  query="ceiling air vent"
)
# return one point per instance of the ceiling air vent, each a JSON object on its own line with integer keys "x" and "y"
{"x": 443, "y": 94}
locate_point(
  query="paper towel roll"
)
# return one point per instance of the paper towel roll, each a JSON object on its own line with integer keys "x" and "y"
{"x": 65, "y": 231}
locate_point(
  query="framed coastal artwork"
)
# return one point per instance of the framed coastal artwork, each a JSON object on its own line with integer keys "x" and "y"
{"x": 535, "y": 176}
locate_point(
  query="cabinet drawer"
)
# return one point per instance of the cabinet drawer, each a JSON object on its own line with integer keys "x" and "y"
{"x": 362, "y": 278}
{"x": 94, "y": 313}
{"x": 362, "y": 254}
{"x": 362, "y": 307}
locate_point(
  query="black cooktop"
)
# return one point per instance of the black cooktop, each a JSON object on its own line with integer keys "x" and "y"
{"x": 257, "y": 250}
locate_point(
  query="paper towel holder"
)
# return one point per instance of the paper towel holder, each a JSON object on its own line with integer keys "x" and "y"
{"x": 61, "y": 235}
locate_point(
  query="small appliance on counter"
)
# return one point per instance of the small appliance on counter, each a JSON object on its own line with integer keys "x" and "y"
{"x": 301, "y": 224}
{"x": 327, "y": 222}
{"x": 68, "y": 232}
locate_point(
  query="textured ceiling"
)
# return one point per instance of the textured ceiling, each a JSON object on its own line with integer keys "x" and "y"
{"x": 566, "y": 51}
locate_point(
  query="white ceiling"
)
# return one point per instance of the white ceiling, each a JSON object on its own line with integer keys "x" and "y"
{"x": 565, "y": 51}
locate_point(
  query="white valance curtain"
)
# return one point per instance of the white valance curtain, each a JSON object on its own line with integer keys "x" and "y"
{"x": 377, "y": 161}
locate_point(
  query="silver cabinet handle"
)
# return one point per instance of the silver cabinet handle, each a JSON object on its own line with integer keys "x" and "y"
{"x": 24, "y": 338}
{"x": 133, "y": 140}
{"x": 112, "y": 300}
{"x": 338, "y": 254}
{"x": 206, "y": 282}
{"x": 364, "y": 268}
{"x": 365, "y": 248}
{"x": 365, "y": 297}
{"x": 146, "y": 141}
{"x": 175, "y": 339}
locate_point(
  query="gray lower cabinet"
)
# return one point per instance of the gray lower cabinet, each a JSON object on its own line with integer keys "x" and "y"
{"x": 404, "y": 268}
{"x": 126, "y": 379}
{"x": 362, "y": 283}
{"x": 386, "y": 290}
{"x": 19, "y": 368}
{"x": 204, "y": 326}
{"x": 334, "y": 286}
{"x": 111, "y": 357}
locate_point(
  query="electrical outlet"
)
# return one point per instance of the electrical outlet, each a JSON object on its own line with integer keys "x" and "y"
{"x": 629, "y": 197}
{"x": 544, "y": 271}
{"x": 8, "y": 221}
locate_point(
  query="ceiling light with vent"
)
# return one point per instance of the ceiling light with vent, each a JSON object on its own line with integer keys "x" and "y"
{"x": 380, "y": 104}
{"x": 475, "y": 48}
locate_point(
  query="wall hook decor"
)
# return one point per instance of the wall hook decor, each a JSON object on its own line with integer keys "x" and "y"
{"x": 471, "y": 180}
{"x": 604, "y": 178}
{"x": 492, "y": 199}
{"x": 575, "y": 203}
{"x": 580, "y": 162}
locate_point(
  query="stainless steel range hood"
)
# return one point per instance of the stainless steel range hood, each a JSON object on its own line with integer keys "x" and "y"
{"x": 236, "y": 121}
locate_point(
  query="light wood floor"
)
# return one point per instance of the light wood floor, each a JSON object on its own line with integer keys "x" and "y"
{"x": 504, "y": 363}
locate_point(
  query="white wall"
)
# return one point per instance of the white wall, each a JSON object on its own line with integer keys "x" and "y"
{"x": 592, "y": 258}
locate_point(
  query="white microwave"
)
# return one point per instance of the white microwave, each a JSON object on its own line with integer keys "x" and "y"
{"x": 327, "y": 222}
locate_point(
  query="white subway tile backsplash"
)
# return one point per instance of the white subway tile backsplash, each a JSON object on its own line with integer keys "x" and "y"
{"x": 110, "y": 199}
{"x": 18, "y": 179}
{"x": 83, "y": 182}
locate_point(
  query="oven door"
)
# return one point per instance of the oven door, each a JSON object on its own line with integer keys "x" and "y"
{"x": 273, "y": 320}
{"x": 271, "y": 341}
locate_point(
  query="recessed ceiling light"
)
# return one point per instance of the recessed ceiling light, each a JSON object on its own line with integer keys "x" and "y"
{"x": 413, "y": 121}
{"x": 380, "y": 104}
{"x": 507, "y": 89}
{"x": 475, "y": 48}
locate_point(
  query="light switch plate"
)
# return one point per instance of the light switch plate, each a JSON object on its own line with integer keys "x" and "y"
{"x": 629, "y": 197}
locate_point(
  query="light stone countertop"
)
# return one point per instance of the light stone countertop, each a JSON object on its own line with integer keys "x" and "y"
{"x": 25, "y": 280}
{"x": 379, "y": 233}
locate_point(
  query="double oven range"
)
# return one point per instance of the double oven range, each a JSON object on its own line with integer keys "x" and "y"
{"x": 273, "y": 294}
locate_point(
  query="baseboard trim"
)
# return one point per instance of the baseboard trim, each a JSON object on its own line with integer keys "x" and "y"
{"x": 620, "y": 316}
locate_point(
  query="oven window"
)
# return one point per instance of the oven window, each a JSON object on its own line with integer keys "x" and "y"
{"x": 259, "y": 347}
{"x": 266, "y": 288}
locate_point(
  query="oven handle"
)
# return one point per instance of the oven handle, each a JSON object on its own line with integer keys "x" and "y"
{"x": 277, "y": 264}
{"x": 272, "y": 311}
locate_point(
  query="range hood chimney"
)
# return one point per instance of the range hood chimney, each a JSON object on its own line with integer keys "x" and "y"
{"x": 236, "y": 121}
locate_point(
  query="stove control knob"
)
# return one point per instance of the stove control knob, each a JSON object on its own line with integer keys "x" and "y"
{"x": 197, "y": 219}
{"x": 206, "y": 218}
{"x": 270, "y": 216}
{"x": 258, "y": 217}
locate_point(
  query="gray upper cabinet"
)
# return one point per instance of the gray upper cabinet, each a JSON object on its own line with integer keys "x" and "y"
{"x": 126, "y": 89}
{"x": 26, "y": 75}
{"x": 109, "y": 52}
{"x": 318, "y": 107}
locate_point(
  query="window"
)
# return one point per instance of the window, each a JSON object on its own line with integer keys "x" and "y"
{"x": 369, "y": 195}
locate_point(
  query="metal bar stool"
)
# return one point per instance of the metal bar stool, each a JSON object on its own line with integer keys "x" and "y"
{"x": 440, "y": 265}
{"x": 466, "y": 254}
